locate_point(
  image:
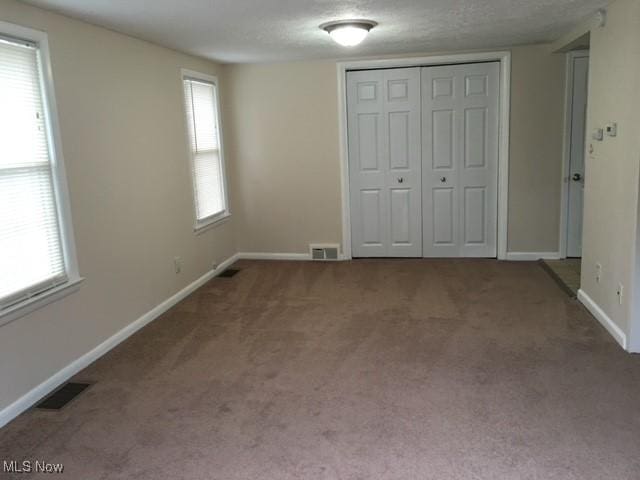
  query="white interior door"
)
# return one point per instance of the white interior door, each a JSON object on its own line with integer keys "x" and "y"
{"x": 383, "y": 110}
{"x": 460, "y": 159}
{"x": 578, "y": 114}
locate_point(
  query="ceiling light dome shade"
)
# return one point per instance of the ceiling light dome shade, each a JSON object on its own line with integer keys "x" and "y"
{"x": 348, "y": 33}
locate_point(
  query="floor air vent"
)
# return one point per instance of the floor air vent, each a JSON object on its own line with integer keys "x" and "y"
{"x": 63, "y": 396}
{"x": 324, "y": 252}
{"x": 229, "y": 272}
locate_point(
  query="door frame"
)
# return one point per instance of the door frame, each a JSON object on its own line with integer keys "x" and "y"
{"x": 504, "y": 57}
{"x": 566, "y": 148}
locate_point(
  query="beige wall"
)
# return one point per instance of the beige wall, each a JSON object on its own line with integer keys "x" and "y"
{"x": 535, "y": 160}
{"x": 282, "y": 126}
{"x": 121, "y": 120}
{"x": 611, "y": 175}
{"x": 284, "y": 141}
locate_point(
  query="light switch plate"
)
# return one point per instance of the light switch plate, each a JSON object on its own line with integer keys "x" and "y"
{"x": 597, "y": 134}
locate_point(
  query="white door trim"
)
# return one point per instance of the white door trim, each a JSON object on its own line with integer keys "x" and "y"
{"x": 504, "y": 57}
{"x": 566, "y": 147}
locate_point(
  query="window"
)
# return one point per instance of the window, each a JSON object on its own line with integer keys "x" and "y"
{"x": 207, "y": 163}
{"x": 35, "y": 250}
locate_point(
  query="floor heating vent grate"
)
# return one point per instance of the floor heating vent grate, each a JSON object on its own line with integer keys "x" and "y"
{"x": 63, "y": 396}
{"x": 229, "y": 272}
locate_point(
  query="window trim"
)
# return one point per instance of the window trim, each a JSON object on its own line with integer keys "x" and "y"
{"x": 59, "y": 179}
{"x": 200, "y": 226}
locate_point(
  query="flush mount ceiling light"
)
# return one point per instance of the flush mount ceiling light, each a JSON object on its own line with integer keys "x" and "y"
{"x": 348, "y": 33}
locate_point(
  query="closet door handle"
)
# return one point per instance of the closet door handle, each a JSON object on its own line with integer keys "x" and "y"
{"x": 443, "y": 179}
{"x": 400, "y": 179}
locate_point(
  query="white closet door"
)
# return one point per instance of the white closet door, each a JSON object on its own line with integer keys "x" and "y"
{"x": 460, "y": 159}
{"x": 383, "y": 108}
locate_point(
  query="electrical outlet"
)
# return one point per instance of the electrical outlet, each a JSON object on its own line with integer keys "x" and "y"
{"x": 177, "y": 264}
{"x": 620, "y": 293}
{"x": 598, "y": 272}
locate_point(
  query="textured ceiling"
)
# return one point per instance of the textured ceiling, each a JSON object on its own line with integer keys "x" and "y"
{"x": 283, "y": 30}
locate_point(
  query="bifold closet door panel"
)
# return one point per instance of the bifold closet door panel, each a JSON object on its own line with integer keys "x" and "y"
{"x": 460, "y": 159}
{"x": 383, "y": 121}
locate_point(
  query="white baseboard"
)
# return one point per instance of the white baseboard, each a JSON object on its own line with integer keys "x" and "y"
{"x": 603, "y": 318}
{"x": 633, "y": 345}
{"x": 532, "y": 256}
{"x": 33, "y": 396}
{"x": 273, "y": 256}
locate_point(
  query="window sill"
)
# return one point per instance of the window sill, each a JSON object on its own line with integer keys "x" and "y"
{"x": 214, "y": 222}
{"x": 23, "y": 308}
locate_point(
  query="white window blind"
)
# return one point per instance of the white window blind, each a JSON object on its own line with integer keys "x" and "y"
{"x": 203, "y": 126}
{"x": 31, "y": 254}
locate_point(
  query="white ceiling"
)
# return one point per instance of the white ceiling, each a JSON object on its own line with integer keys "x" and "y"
{"x": 283, "y": 30}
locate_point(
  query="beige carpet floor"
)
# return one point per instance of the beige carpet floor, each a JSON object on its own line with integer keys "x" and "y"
{"x": 371, "y": 370}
